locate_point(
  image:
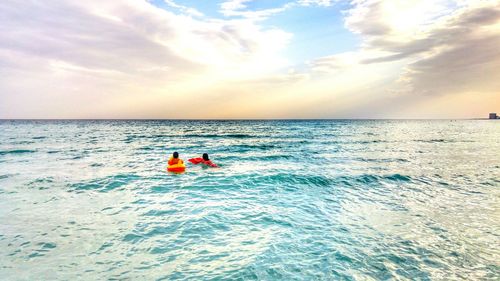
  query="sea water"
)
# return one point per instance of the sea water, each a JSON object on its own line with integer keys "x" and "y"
{"x": 292, "y": 200}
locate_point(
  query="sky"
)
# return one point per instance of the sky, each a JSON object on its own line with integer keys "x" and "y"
{"x": 249, "y": 59}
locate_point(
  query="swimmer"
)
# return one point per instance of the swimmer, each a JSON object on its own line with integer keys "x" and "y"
{"x": 203, "y": 160}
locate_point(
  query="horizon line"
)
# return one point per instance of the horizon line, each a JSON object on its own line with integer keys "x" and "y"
{"x": 232, "y": 119}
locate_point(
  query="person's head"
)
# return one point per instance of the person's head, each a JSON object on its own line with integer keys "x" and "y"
{"x": 205, "y": 156}
{"x": 176, "y": 154}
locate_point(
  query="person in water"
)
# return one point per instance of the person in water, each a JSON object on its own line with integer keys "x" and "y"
{"x": 203, "y": 160}
{"x": 175, "y": 159}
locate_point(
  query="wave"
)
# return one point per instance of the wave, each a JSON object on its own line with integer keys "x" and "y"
{"x": 16, "y": 151}
{"x": 433, "y": 140}
{"x": 256, "y": 158}
{"x": 398, "y": 177}
{"x": 296, "y": 180}
{"x": 367, "y": 141}
{"x": 159, "y": 213}
{"x": 43, "y": 248}
{"x": 234, "y": 136}
{"x": 105, "y": 184}
{"x": 41, "y": 183}
{"x": 255, "y": 146}
{"x": 370, "y": 178}
{"x": 132, "y": 138}
{"x": 291, "y": 179}
{"x": 382, "y": 160}
{"x": 25, "y": 142}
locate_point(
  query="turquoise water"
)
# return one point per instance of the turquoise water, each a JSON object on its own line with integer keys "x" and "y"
{"x": 293, "y": 200}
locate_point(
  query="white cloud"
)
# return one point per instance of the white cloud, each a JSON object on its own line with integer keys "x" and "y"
{"x": 238, "y": 8}
{"x": 74, "y": 53}
{"x": 434, "y": 41}
{"x": 131, "y": 35}
{"x": 184, "y": 9}
{"x": 234, "y": 5}
{"x": 323, "y": 3}
{"x": 131, "y": 59}
{"x": 412, "y": 52}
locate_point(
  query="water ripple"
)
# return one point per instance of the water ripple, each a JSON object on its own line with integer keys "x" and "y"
{"x": 293, "y": 200}
{"x": 16, "y": 151}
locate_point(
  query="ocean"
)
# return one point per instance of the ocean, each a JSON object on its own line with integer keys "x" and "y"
{"x": 292, "y": 200}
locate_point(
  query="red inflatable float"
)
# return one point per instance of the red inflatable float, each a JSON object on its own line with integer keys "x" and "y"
{"x": 200, "y": 160}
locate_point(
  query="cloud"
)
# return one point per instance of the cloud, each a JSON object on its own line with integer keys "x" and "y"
{"x": 130, "y": 36}
{"x": 233, "y": 5}
{"x": 412, "y": 53}
{"x": 238, "y": 8}
{"x": 445, "y": 46}
{"x": 323, "y": 3}
{"x": 88, "y": 38}
{"x": 73, "y": 58}
{"x": 130, "y": 59}
{"x": 460, "y": 28}
{"x": 184, "y": 9}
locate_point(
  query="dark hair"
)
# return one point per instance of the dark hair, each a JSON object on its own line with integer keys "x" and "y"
{"x": 176, "y": 154}
{"x": 205, "y": 157}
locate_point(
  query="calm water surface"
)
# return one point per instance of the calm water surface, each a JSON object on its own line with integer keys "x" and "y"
{"x": 293, "y": 200}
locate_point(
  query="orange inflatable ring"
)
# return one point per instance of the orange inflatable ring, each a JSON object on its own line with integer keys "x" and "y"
{"x": 176, "y": 168}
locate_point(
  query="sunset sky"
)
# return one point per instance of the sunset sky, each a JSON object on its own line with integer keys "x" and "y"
{"x": 249, "y": 59}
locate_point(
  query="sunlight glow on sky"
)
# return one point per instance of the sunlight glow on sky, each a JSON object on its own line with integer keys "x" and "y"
{"x": 249, "y": 59}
